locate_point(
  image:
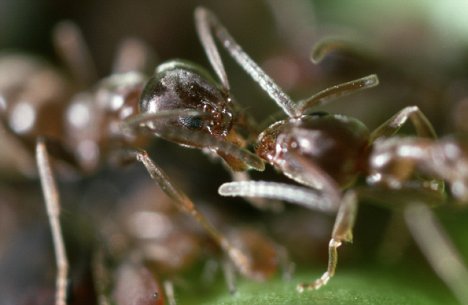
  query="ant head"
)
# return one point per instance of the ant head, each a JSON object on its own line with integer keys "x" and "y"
{"x": 178, "y": 86}
{"x": 268, "y": 139}
{"x": 322, "y": 138}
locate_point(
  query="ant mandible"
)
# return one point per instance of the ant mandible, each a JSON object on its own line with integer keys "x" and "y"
{"x": 327, "y": 152}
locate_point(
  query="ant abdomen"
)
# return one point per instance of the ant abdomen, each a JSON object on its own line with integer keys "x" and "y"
{"x": 336, "y": 144}
{"x": 180, "y": 85}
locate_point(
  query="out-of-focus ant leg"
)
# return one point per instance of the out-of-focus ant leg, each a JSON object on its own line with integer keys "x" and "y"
{"x": 437, "y": 248}
{"x": 229, "y": 276}
{"x": 342, "y": 232}
{"x": 71, "y": 46}
{"x": 187, "y": 206}
{"x": 420, "y": 122}
{"x": 287, "y": 267}
{"x": 51, "y": 197}
{"x": 169, "y": 291}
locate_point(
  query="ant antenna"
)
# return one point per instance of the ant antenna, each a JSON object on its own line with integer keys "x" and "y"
{"x": 207, "y": 25}
{"x": 207, "y": 22}
{"x": 72, "y": 48}
{"x": 304, "y": 196}
{"x": 337, "y": 91}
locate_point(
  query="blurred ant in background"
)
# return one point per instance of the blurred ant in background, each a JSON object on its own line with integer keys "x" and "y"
{"x": 148, "y": 233}
{"x": 42, "y": 107}
{"x": 180, "y": 103}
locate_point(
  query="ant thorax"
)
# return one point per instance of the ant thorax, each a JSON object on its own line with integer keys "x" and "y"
{"x": 179, "y": 85}
{"x": 335, "y": 143}
{"x": 93, "y": 119}
{"x": 33, "y": 95}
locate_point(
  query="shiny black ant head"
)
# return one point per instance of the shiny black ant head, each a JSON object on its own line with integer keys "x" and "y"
{"x": 321, "y": 137}
{"x": 180, "y": 85}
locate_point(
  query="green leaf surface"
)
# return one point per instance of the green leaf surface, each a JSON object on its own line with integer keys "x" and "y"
{"x": 366, "y": 286}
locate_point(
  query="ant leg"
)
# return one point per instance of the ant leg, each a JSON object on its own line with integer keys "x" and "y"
{"x": 207, "y": 24}
{"x": 101, "y": 276}
{"x": 337, "y": 91}
{"x": 209, "y": 271}
{"x": 420, "y": 122}
{"x": 439, "y": 251}
{"x": 285, "y": 263}
{"x": 304, "y": 196}
{"x": 240, "y": 260}
{"x": 132, "y": 55}
{"x": 395, "y": 242}
{"x": 229, "y": 276}
{"x": 169, "y": 292}
{"x": 342, "y": 231}
{"x": 70, "y": 45}
{"x": 51, "y": 197}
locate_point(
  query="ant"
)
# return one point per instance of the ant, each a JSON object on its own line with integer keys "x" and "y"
{"x": 37, "y": 114}
{"x": 148, "y": 232}
{"x": 328, "y": 152}
{"x": 180, "y": 103}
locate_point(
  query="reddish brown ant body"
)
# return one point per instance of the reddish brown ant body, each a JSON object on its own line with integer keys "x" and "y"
{"x": 148, "y": 233}
{"x": 327, "y": 152}
{"x": 180, "y": 103}
{"x": 206, "y": 118}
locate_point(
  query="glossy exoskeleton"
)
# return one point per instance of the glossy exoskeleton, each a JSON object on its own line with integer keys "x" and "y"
{"x": 86, "y": 127}
{"x": 49, "y": 110}
{"x": 328, "y": 152}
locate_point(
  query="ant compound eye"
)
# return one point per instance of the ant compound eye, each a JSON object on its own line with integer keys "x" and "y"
{"x": 192, "y": 122}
